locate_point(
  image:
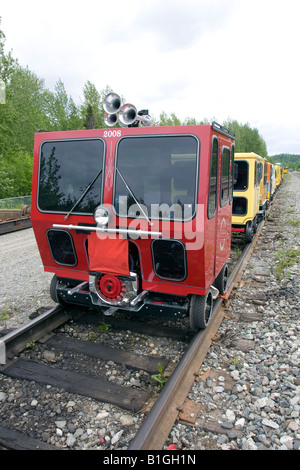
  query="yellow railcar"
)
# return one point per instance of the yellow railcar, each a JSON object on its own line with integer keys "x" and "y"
{"x": 272, "y": 181}
{"x": 263, "y": 188}
{"x": 269, "y": 182}
{"x": 248, "y": 193}
{"x": 278, "y": 174}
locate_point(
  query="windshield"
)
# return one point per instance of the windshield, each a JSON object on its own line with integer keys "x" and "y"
{"x": 158, "y": 172}
{"x": 67, "y": 168}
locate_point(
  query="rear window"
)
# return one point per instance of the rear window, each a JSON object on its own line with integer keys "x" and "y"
{"x": 67, "y": 167}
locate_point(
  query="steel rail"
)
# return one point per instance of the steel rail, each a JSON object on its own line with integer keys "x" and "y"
{"x": 14, "y": 225}
{"x": 159, "y": 422}
{"x": 16, "y": 340}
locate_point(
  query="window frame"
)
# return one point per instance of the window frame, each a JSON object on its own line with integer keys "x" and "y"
{"x": 248, "y": 170}
{"x": 231, "y": 174}
{"x": 246, "y": 205}
{"x": 85, "y": 139}
{"x": 211, "y": 215}
{"x": 224, "y": 200}
{"x": 257, "y": 173}
{"x": 72, "y": 244}
{"x": 168, "y": 240}
{"x": 196, "y": 189}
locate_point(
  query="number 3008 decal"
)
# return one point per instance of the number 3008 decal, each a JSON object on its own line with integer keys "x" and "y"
{"x": 113, "y": 133}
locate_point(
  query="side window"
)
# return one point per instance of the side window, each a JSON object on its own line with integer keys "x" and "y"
{"x": 225, "y": 169}
{"x": 258, "y": 172}
{"x": 231, "y": 175}
{"x": 213, "y": 179}
{"x": 265, "y": 173}
{"x": 62, "y": 247}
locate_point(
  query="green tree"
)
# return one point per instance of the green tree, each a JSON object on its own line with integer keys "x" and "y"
{"x": 21, "y": 115}
{"x": 165, "y": 120}
{"x": 90, "y": 121}
{"x": 62, "y": 111}
{"x": 74, "y": 119}
{"x": 291, "y": 161}
{"x": 7, "y": 62}
{"x": 91, "y": 108}
{"x": 24, "y": 111}
{"x": 15, "y": 173}
{"x": 246, "y": 138}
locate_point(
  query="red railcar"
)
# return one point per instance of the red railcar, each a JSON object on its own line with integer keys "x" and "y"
{"x": 135, "y": 218}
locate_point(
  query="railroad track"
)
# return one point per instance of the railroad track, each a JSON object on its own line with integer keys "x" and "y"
{"x": 162, "y": 415}
{"x": 159, "y": 422}
{"x": 8, "y": 226}
{"x": 12, "y": 220}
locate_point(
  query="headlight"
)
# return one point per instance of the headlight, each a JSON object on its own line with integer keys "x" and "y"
{"x": 102, "y": 216}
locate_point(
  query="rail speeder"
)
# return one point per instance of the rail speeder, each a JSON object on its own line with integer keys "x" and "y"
{"x": 135, "y": 218}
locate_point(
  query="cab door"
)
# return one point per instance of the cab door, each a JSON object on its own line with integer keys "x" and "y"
{"x": 213, "y": 205}
{"x": 224, "y": 208}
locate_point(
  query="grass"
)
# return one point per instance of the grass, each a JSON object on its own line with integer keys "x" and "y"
{"x": 4, "y": 315}
{"x": 294, "y": 222}
{"x": 285, "y": 259}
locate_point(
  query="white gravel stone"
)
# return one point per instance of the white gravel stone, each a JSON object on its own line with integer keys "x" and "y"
{"x": 270, "y": 423}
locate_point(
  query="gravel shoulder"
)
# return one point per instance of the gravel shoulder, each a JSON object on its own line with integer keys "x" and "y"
{"x": 24, "y": 284}
{"x": 249, "y": 385}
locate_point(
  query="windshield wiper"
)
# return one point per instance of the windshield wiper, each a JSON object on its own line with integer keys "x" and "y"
{"x": 83, "y": 195}
{"x": 137, "y": 202}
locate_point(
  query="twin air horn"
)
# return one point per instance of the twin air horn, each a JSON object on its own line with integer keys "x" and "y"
{"x": 126, "y": 115}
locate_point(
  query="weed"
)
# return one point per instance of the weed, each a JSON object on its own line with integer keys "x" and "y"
{"x": 132, "y": 340}
{"x": 237, "y": 362}
{"x": 4, "y": 316}
{"x": 92, "y": 336}
{"x": 237, "y": 252}
{"x": 160, "y": 377}
{"x": 104, "y": 327}
{"x": 294, "y": 222}
{"x": 285, "y": 259}
{"x": 30, "y": 345}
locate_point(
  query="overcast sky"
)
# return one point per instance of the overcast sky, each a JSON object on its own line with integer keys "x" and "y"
{"x": 213, "y": 59}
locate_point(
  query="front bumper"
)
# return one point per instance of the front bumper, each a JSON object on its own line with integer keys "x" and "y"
{"x": 86, "y": 294}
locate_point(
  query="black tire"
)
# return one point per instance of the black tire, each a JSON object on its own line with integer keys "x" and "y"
{"x": 249, "y": 232}
{"x": 255, "y": 224}
{"x": 53, "y": 290}
{"x": 222, "y": 280}
{"x": 201, "y": 307}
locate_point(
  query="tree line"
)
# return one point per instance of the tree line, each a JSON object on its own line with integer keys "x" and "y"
{"x": 30, "y": 106}
{"x": 288, "y": 160}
